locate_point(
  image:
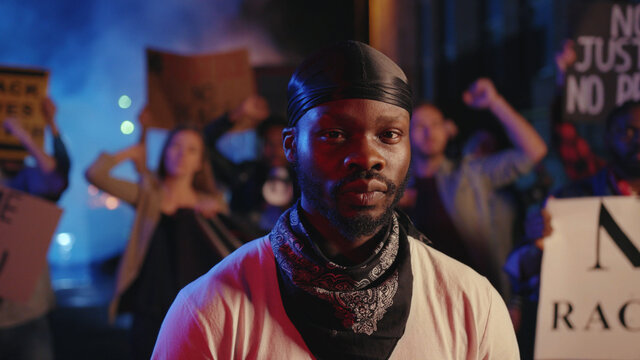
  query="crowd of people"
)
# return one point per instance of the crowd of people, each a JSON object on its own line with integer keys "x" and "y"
{"x": 358, "y": 211}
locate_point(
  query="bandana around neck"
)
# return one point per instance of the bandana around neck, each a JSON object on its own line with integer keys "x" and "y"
{"x": 341, "y": 311}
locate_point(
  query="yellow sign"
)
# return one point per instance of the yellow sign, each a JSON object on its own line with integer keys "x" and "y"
{"x": 196, "y": 89}
{"x": 21, "y": 95}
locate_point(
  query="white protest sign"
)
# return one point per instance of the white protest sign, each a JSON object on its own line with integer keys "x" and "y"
{"x": 606, "y": 73}
{"x": 590, "y": 287}
{"x": 27, "y": 224}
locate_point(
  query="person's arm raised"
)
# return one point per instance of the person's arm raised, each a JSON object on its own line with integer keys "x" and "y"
{"x": 483, "y": 95}
{"x": 45, "y": 162}
{"x": 98, "y": 173}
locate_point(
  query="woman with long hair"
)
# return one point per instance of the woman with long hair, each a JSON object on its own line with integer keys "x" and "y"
{"x": 176, "y": 236}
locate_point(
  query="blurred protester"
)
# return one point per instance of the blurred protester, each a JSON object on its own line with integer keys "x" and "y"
{"x": 260, "y": 189}
{"x": 451, "y": 200}
{"x": 503, "y": 203}
{"x": 577, "y": 157}
{"x": 176, "y": 236}
{"x": 621, "y": 176}
{"x": 577, "y": 162}
{"x": 24, "y": 327}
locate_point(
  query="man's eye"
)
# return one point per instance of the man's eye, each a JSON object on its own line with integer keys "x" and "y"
{"x": 332, "y": 135}
{"x": 390, "y": 136}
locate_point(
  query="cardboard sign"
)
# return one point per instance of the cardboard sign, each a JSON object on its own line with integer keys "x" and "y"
{"x": 590, "y": 287}
{"x": 21, "y": 95}
{"x": 27, "y": 224}
{"x": 606, "y": 73}
{"x": 196, "y": 89}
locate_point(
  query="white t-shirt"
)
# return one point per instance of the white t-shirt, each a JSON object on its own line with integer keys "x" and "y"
{"x": 235, "y": 312}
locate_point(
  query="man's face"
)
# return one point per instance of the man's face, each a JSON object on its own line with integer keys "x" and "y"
{"x": 624, "y": 141}
{"x": 428, "y": 131}
{"x": 351, "y": 157}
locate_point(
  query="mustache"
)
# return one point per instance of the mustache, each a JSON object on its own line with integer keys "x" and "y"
{"x": 364, "y": 175}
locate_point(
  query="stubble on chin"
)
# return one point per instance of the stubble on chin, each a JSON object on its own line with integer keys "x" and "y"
{"x": 351, "y": 227}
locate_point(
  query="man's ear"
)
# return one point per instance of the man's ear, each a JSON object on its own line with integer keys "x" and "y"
{"x": 451, "y": 128}
{"x": 289, "y": 143}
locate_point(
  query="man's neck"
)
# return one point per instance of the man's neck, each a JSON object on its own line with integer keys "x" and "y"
{"x": 425, "y": 166}
{"x": 334, "y": 245}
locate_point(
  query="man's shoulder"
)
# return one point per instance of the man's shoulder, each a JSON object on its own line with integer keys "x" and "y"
{"x": 243, "y": 271}
{"x": 434, "y": 268}
{"x": 460, "y": 305}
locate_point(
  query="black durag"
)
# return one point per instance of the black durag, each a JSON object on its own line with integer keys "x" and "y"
{"x": 346, "y": 70}
{"x": 345, "y": 312}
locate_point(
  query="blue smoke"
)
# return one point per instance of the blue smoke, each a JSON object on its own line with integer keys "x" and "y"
{"x": 94, "y": 51}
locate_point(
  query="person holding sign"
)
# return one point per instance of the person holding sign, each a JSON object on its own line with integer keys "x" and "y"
{"x": 621, "y": 177}
{"x": 577, "y": 157}
{"x": 50, "y": 177}
{"x": 342, "y": 275}
{"x": 176, "y": 236}
{"x": 24, "y": 327}
{"x": 260, "y": 189}
{"x": 451, "y": 199}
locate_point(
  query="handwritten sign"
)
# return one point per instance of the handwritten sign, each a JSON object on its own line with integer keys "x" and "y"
{"x": 196, "y": 89}
{"x": 590, "y": 287}
{"x": 21, "y": 93}
{"x": 607, "y": 70}
{"x": 27, "y": 224}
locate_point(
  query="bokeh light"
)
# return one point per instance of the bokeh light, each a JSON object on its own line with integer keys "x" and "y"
{"x": 93, "y": 191}
{"x": 124, "y": 102}
{"x": 111, "y": 203}
{"x": 65, "y": 240}
{"x": 127, "y": 127}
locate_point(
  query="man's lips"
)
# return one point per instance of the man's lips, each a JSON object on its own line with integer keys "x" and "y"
{"x": 364, "y": 186}
{"x": 363, "y": 192}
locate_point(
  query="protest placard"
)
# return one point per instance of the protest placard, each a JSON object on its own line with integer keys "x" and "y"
{"x": 27, "y": 224}
{"x": 198, "y": 88}
{"x": 606, "y": 73}
{"x": 21, "y": 94}
{"x": 590, "y": 287}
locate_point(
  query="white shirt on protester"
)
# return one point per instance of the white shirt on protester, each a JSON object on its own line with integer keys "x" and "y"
{"x": 235, "y": 312}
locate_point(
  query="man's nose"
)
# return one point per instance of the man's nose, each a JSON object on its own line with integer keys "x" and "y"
{"x": 364, "y": 154}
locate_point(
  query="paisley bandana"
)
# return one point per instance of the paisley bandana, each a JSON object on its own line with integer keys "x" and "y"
{"x": 341, "y": 311}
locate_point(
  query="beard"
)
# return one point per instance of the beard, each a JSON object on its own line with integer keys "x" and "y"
{"x": 630, "y": 168}
{"x": 355, "y": 226}
{"x": 628, "y": 163}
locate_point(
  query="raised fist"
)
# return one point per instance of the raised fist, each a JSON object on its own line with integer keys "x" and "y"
{"x": 251, "y": 112}
{"x": 481, "y": 94}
